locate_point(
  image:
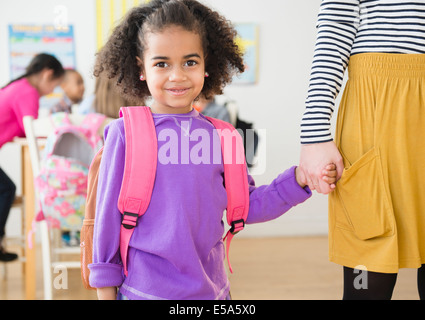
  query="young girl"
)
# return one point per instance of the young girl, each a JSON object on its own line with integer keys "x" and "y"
{"x": 18, "y": 99}
{"x": 174, "y": 51}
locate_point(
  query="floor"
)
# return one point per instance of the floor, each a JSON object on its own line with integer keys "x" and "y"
{"x": 295, "y": 268}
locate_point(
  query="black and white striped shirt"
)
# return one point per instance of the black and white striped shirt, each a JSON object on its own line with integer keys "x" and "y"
{"x": 351, "y": 27}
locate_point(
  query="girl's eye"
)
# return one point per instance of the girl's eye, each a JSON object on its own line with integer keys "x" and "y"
{"x": 191, "y": 63}
{"x": 161, "y": 65}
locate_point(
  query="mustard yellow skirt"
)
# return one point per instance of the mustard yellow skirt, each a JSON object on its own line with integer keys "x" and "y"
{"x": 377, "y": 212}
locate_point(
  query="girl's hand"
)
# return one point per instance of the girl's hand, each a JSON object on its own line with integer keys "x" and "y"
{"x": 298, "y": 177}
{"x": 330, "y": 175}
{"x": 107, "y": 293}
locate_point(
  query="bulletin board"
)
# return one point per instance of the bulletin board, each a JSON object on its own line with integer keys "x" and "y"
{"x": 109, "y": 14}
{"x": 26, "y": 41}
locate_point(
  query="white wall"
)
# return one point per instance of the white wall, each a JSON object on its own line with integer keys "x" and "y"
{"x": 275, "y": 103}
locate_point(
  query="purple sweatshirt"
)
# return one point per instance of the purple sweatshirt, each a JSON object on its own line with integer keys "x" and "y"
{"x": 176, "y": 251}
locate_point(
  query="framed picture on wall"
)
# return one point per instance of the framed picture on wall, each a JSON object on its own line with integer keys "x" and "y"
{"x": 248, "y": 41}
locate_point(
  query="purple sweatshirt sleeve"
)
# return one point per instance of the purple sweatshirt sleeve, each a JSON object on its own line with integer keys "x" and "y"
{"x": 106, "y": 269}
{"x": 269, "y": 202}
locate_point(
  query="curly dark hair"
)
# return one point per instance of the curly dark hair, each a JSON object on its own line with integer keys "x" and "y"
{"x": 118, "y": 57}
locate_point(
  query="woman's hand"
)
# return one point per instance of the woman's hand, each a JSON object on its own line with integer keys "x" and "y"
{"x": 314, "y": 158}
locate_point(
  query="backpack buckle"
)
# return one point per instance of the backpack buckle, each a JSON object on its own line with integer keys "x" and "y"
{"x": 236, "y": 226}
{"x": 129, "y": 220}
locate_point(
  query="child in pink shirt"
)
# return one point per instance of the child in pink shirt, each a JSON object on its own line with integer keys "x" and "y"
{"x": 18, "y": 99}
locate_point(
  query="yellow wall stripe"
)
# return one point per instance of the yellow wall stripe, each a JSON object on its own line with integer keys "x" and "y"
{"x": 123, "y": 7}
{"x": 99, "y": 24}
{"x": 116, "y": 9}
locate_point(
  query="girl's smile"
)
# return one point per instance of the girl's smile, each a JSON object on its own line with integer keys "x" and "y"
{"x": 177, "y": 92}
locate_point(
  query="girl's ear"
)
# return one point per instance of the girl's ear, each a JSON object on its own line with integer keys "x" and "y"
{"x": 140, "y": 65}
{"x": 47, "y": 74}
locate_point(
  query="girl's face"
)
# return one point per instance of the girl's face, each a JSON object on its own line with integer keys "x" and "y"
{"x": 174, "y": 68}
{"x": 73, "y": 85}
{"x": 47, "y": 83}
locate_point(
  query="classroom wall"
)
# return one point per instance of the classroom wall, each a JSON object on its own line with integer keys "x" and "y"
{"x": 275, "y": 103}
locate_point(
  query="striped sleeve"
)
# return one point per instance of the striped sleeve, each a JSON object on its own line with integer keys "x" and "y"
{"x": 336, "y": 30}
{"x": 391, "y": 26}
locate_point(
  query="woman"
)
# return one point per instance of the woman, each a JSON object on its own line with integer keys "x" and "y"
{"x": 18, "y": 99}
{"x": 376, "y": 215}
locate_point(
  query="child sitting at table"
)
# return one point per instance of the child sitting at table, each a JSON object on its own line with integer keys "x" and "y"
{"x": 72, "y": 89}
{"x": 21, "y": 98}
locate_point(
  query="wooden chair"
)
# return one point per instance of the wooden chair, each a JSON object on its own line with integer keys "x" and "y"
{"x": 51, "y": 247}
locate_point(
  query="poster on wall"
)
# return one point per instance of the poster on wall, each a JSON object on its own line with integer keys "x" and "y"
{"x": 26, "y": 41}
{"x": 248, "y": 42}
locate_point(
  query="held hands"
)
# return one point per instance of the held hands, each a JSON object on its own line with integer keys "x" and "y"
{"x": 329, "y": 175}
{"x": 314, "y": 161}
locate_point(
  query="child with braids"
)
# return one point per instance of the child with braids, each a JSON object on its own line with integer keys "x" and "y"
{"x": 174, "y": 51}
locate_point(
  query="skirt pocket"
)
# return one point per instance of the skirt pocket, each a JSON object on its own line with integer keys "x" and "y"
{"x": 365, "y": 199}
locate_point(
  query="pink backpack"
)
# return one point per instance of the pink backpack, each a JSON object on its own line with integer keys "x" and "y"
{"x": 138, "y": 181}
{"x": 62, "y": 181}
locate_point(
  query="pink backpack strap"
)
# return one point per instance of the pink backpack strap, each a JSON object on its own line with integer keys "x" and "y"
{"x": 141, "y": 149}
{"x": 235, "y": 179}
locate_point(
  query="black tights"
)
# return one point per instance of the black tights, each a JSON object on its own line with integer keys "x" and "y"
{"x": 7, "y": 195}
{"x": 361, "y": 285}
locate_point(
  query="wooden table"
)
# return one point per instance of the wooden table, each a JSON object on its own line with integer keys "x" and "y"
{"x": 28, "y": 194}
